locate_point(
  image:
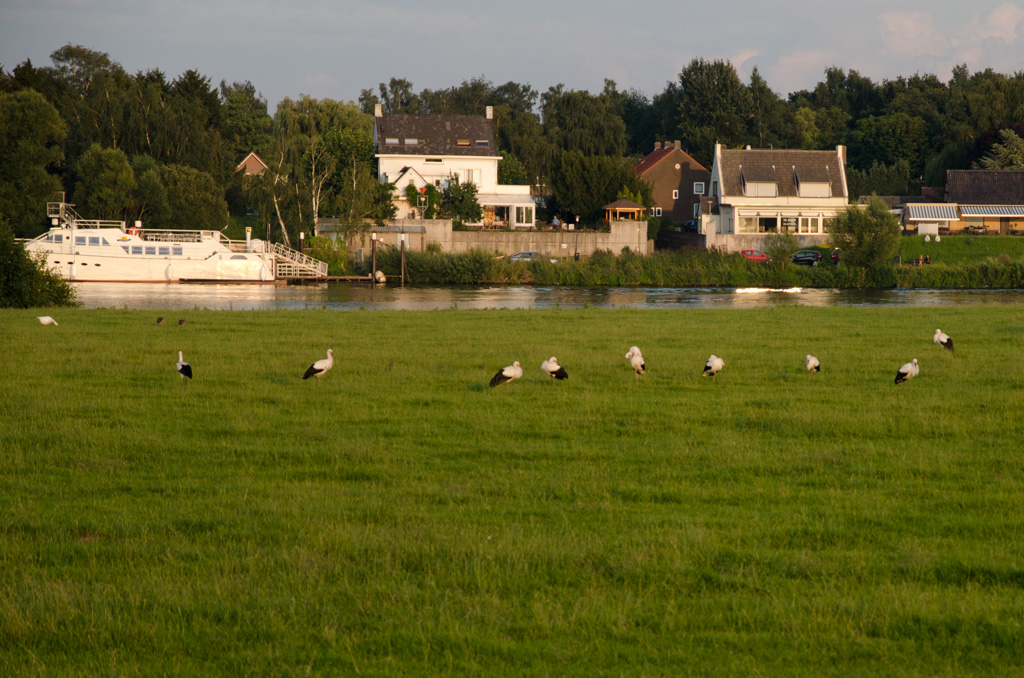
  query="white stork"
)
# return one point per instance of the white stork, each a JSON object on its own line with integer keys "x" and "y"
{"x": 907, "y": 372}
{"x": 944, "y": 340}
{"x": 553, "y": 369}
{"x": 636, "y": 361}
{"x": 813, "y": 365}
{"x": 184, "y": 369}
{"x": 46, "y": 320}
{"x": 320, "y": 367}
{"x": 712, "y": 367}
{"x": 506, "y": 374}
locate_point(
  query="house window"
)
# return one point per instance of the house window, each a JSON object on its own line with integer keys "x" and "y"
{"x": 698, "y": 188}
{"x": 462, "y": 142}
{"x": 412, "y": 142}
{"x": 483, "y": 142}
{"x": 714, "y": 188}
{"x": 524, "y": 215}
{"x": 675, "y": 194}
{"x": 657, "y": 211}
{"x": 391, "y": 141}
{"x": 435, "y": 161}
{"x": 696, "y": 209}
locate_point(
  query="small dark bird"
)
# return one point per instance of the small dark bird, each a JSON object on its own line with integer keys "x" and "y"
{"x": 506, "y": 374}
{"x": 907, "y": 372}
{"x": 553, "y": 369}
{"x": 184, "y": 369}
{"x": 944, "y": 340}
{"x": 181, "y": 323}
{"x": 159, "y": 321}
{"x": 320, "y": 367}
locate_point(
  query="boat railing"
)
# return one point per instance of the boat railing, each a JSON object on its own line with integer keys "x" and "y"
{"x": 305, "y": 262}
{"x": 177, "y": 236}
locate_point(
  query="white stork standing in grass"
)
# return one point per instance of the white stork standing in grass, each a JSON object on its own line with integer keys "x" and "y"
{"x": 46, "y": 320}
{"x": 907, "y": 372}
{"x": 506, "y": 374}
{"x": 944, "y": 340}
{"x": 636, "y": 361}
{"x": 320, "y": 367}
{"x": 184, "y": 369}
{"x": 553, "y": 369}
{"x": 712, "y": 367}
{"x": 813, "y": 365}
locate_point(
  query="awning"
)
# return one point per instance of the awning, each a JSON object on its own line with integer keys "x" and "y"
{"x": 992, "y": 210}
{"x": 503, "y": 199}
{"x": 932, "y": 212}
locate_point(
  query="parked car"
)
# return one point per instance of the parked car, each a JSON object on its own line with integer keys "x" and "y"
{"x": 691, "y": 226}
{"x": 531, "y": 256}
{"x": 806, "y": 258}
{"x": 755, "y": 255}
{"x": 835, "y": 255}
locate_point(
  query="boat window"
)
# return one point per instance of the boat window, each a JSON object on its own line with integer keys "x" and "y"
{"x": 150, "y": 250}
{"x": 79, "y": 239}
{"x": 94, "y": 240}
{"x": 136, "y": 249}
{"x": 238, "y": 256}
{"x": 58, "y": 238}
{"x": 105, "y": 243}
{"x": 176, "y": 251}
{"x": 125, "y": 248}
{"x": 164, "y": 251}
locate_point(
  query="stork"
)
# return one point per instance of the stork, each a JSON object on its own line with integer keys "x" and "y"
{"x": 553, "y": 369}
{"x": 907, "y": 372}
{"x": 813, "y": 365}
{"x": 320, "y": 367}
{"x": 181, "y": 322}
{"x": 636, "y": 361}
{"x": 46, "y": 320}
{"x": 506, "y": 374}
{"x": 944, "y": 340}
{"x": 160, "y": 321}
{"x": 712, "y": 367}
{"x": 184, "y": 369}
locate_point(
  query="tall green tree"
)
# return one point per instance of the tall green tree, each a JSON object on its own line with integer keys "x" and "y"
{"x": 579, "y": 121}
{"x": 1006, "y": 154}
{"x": 583, "y": 185}
{"x": 106, "y": 184}
{"x": 194, "y": 199}
{"x": 459, "y": 202}
{"x": 31, "y": 131}
{"x": 714, "y": 106}
{"x": 868, "y": 237}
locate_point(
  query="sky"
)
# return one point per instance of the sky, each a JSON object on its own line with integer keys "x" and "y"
{"x": 334, "y": 49}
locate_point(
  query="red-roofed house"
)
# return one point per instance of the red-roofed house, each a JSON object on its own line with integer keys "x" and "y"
{"x": 677, "y": 179}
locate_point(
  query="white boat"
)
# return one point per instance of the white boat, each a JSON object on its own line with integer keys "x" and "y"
{"x": 86, "y": 250}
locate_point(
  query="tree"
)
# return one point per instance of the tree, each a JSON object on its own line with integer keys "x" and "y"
{"x": 106, "y": 184}
{"x": 771, "y": 122}
{"x": 579, "y": 121}
{"x": 511, "y": 172}
{"x": 1008, "y": 153}
{"x": 584, "y": 185}
{"x": 881, "y": 179}
{"x": 459, "y": 203}
{"x": 868, "y": 237}
{"x": 714, "y": 107}
{"x": 355, "y": 189}
{"x": 194, "y": 200}
{"x": 26, "y": 282}
{"x": 29, "y": 151}
{"x": 886, "y": 140}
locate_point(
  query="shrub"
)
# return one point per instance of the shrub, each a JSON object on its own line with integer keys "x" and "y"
{"x": 25, "y": 281}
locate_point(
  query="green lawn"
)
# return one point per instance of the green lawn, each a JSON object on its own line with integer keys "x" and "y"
{"x": 963, "y": 249}
{"x": 404, "y": 519}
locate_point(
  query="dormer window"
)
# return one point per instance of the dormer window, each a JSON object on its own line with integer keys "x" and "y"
{"x": 812, "y": 182}
{"x": 391, "y": 141}
{"x": 412, "y": 142}
{"x": 759, "y": 181}
{"x": 482, "y": 142}
{"x": 462, "y": 142}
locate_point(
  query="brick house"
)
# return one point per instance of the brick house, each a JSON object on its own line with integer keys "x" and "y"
{"x": 678, "y": 182}
{"x": 988, "y": 200}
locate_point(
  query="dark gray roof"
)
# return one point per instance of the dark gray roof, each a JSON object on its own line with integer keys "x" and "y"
{"x": 985, "y": 187}
{"x": 782, "y": 167}
{"x": 407, "y": 134}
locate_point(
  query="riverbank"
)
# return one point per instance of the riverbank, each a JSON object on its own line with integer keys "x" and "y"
{"x": 405, "y": 518}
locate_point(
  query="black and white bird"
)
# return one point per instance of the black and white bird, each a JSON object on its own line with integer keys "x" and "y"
{"x": 320, "y": 367}
{"x": 184, "y": 369}
{"x": 712, "y": 367}
{"x": 636, "y": 361}
{"x": 46, "y": 320}
{"x": 553, "y": 369}
{"x": 813, "y": 365}
{"x": 944, "y": 340}
{"x": 181, "y": 322}
{"x": 907, "y": 372}
{"x": 506, "y": 374}
{"x": 160, "y": 321}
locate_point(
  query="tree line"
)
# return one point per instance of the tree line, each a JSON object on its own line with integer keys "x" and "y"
{"x": 143, "y": 146}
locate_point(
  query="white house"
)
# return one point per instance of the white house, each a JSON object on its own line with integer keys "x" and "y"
{"x": 429, "y": 149}
{"x": 755, "y": 192}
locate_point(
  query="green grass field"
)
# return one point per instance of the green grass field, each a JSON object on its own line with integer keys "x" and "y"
{"x": 404, "y": 519}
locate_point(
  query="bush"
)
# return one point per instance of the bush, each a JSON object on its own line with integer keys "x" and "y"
{"x": 330, "y": 251}
{"x": 26, "y": 281}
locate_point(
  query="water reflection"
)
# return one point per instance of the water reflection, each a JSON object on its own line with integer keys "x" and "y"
{"x": 344, "y": 297}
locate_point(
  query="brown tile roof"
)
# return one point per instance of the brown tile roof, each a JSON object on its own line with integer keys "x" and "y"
{"x": 985, "y": 187}
{"x": 659, "y": 154}
{"x": 780, "y": 166}
{"x": 436, "y": 134}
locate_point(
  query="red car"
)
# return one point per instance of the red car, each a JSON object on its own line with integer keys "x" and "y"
{"x": 755, "y": 255}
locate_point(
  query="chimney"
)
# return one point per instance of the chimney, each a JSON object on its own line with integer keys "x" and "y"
{"x": 678, "y": 144}
{"x": 378, "y": 111}
{"x": 842, "y": 153}
{"x": 657, "y": 145}
{"x": 489, "y": 112}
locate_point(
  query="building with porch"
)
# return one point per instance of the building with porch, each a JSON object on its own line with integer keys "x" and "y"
{"x": 432, "y": 149}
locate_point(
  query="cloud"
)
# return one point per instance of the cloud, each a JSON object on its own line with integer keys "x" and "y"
{"x": 794, "y": 71}
{"x": 911, "y": 34}
{"x": 1000, "y": 24}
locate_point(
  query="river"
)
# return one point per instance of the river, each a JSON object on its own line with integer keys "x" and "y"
{"x": 347, "y": 297}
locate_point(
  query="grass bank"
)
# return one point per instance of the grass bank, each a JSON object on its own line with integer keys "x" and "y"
{"x": 404, "y": 519}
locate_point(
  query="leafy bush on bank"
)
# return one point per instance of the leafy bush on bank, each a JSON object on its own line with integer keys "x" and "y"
{"x": 25, "y": 281}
